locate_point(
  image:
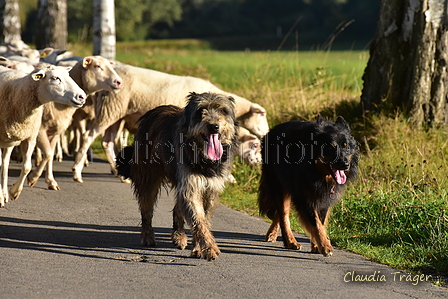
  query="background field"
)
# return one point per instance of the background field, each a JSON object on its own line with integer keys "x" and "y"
{"x": 396, "y": 211}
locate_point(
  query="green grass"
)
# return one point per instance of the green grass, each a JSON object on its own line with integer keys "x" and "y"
{"x": 396, "y": 212}
{"x": 277, "y": 69}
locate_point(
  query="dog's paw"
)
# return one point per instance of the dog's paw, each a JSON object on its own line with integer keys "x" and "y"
{"x": 208, "y": 254}
{"x": 149, "y": 243}
{"x": 180, "y": 240}
{"x": 326, "y": 250}
{"x": 211, "y": 253}
{"x": 196, "y": 253}
{"x": 293, "y": 245}
{"x": 271, "y": 237}
{"x": 148, "y": 239}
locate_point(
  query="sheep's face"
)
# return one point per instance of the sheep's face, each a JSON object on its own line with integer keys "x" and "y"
{"x": 255, "y": 121}
{"x": 99, "y": 74}
{"x": 250, "y": 149}
{"x": 55, "y": 85}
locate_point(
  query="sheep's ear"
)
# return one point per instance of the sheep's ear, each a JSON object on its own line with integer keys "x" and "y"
{"x": 257, "y": 109}
{"x": 38, "y": 75}
{"x": 68, "y": 68}
{"x": 45, "y": 52}
{"x": 112, "y": 63}
{"x": 86, "y": 61}
{"x": 59, "y": 52}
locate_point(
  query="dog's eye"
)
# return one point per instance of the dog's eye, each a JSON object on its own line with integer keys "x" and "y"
{"x": 223, "y": 111}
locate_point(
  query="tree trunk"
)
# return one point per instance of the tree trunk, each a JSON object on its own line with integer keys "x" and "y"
{"x": 10, "y": 21}
{"x": 408, "y": 59}
{"x": 104, "y": 28}
{"x": 52, "y": 24}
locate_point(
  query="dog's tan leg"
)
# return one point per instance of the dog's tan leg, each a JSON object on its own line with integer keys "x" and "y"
{"x": 272, "y": 234}
{"x": 327, "y": 249}
{"x": 320, "y": 243}
{"x": 204, "y": 242}
{"x": 322, "y": 239}
{"x": 288, "y": 238}
{"x": 191, "y": 204}
{"x": 178, "y": 236}
{"x": 314, "y": 247}
{"x": 196, "y": 251}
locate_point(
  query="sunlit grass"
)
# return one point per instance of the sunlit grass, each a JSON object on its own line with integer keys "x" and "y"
{"x": 396, "y": 212}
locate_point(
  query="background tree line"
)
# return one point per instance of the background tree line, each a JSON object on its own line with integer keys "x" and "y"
{"x": 228, "y": 24}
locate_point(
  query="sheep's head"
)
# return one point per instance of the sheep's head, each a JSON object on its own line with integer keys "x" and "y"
{"x": 255, "y": 120}
{"x": 99, "y": 74}
{"x": 55, "y": 84}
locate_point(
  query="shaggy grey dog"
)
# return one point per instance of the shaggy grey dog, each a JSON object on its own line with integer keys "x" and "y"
{"x": 190, "y": 150}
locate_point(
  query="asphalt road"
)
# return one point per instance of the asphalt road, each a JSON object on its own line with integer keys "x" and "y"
{"x": 83, "y": 242}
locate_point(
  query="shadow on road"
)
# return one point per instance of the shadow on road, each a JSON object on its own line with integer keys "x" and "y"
{"x": 94, "y": 241}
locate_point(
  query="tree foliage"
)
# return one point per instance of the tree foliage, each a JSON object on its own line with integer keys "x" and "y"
{"x": 150, "y": 19}
{"x": 317, "y": 19}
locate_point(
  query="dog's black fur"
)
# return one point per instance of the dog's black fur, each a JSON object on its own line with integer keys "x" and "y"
{"x": 190, "y": 150}
{"x": 306, "y": 164}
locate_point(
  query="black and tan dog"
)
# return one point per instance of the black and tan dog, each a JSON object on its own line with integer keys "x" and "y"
{"x": 190, "y": 150}
{"x": 306, "y": 165}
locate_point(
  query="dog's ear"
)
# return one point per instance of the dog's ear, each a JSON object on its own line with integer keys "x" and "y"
{"x": 320, "y": 119}
{"x": 341, "y": 121}
{"x": 192, "y": 95}
{"x": 190, "y": 109}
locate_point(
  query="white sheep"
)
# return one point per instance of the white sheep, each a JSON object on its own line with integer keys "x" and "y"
{"x": 249, "y": 151}
{"x": 52, "y": 56}
{"x": 145, "y": 89}
{"x": 92, "y": 73}
{"x": 22, "y": 97}
{"x": 250, "y": 147}
{"x": 19, "y": 48}
{"x": 16, "y": 64}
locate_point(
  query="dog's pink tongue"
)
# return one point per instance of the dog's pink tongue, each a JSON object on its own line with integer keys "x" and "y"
{"x": 214, "y": 147}
{"x": 340, "y": 176}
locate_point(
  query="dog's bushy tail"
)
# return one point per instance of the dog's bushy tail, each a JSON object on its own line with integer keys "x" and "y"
{"x": 124, "y": 161}
{"x": 266, "y": 197}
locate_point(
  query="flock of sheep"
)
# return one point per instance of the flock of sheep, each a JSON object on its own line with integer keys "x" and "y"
{"x": 44, "y": 93}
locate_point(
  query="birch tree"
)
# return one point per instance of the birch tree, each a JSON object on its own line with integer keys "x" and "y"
{"x": 52, "y": 24}
{"x": 408, "y": 61}
{"x": 104, "y": 28}
{"x": 10, "y": 21}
